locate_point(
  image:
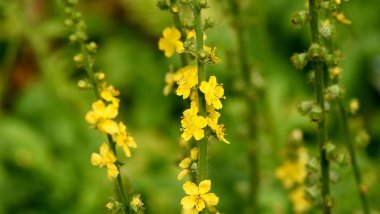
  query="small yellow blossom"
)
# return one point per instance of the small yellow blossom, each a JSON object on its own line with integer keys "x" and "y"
{"x": 185, "y": 164}
{"x": 293, "y": 171}
{"x": 342, "y": 18}
{"x": 101, "y": 117}
{"x": 211, "y": 52}
{"x": 169, "y": 80}
{"x": 213, "y": 92}
{"x": 105, "y": 158}
{"x": 170, "y": 42}
{"x": 354, "y": 106}
{"x": 192, "y": 124}
{"x": 124, "y": 140}
{"x": 335, "y": 72}
{"x": 300, "y": 203}
{"x": 192, "y": 35}
{"x": 198, "y": 196}
{"x": 110, "y": 205}
{"x": 186, "y": 79}
{"x": 338, "y": 1}
{"x": 109, "y": 94}
{"x": 136, "y": 203}
{"x": 212, "y": 121}
{"x": 174, "y": 9}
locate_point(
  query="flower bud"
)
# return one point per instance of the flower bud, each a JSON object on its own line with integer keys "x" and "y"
{"x": 136, "y": 203}
{"x": 100, "y": 76}
{"x": 73, "y": 38}
{"x": 83, "y": 84}
{"x": 68, "y": 22}
{"x": 326, "y": 29}
{"x": 335, "y": 72}
{"x": 354, "y": 106}
{"x": 316, "y": 52}
{"x": 316, "y": 113}
{"x": 362, "y": 139}
{"x": 92, "y": 47}
{"x": 202, "y": 55}
{"x": 78, "y": 59}
{"x": 202, "y": 3}
{"x": 187, "y": 44}
{"x": 301, "y": 18}
{"x": 209, "y": 23}
{"x": 333, "y": 92}
{"x": 305, "y": 107}
{"x": 299, "y": 60}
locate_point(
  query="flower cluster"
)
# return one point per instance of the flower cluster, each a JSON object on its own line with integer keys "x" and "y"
{"x": 105, "y": 109}
{"x": 201, "y": 119}
{"x": 292, "y": 173}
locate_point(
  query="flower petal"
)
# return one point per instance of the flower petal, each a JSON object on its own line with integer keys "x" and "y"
{"x": 182, "y": 174}
{"x": 185, "y": 163}
{"x": 188, "y": 202}
{"x": 190, "y": 188}
{"x": 204, "y": 186}
{"x": 211, "y": 199}
{"x": 96, "y": 159}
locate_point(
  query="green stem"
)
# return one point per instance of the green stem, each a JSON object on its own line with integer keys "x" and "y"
{"x": 322, "y": 132}
{"x": 123, "y": 195}
{"x": 203, "y": 145}
{"x": 354, "y": 163}
{"x": 90, "y": 73}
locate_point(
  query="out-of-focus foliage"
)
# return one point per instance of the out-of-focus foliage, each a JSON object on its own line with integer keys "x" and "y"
{"x": 45, "y": 144}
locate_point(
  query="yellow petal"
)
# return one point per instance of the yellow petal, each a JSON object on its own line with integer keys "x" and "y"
{"x": 188, "y": 202}
{"x": 185, "y": 163}
{"x": 204, "y": 87}
{"x": 182, "y": 174}
{"x": 91, "y": 118}
{"x": 190, "y": 188}
{"x": 199, "y": 134}
{"x": 131, "y": 142}
{"x": 112, "y": 171}
{"x": 111, "y": 111}
{"x": 98, "y": 106}
{"x": 108, "y": 127}
{"x": 194, "y": 153}
{"x": 200, "y": 205}
{"x": 186, "y": 135}
{"x": 104, "y": 149}
{"x": 204, "y": 186}
{"x": 96, "y": 159}
{"x": 211, "y": 199}
{"x": 126, "y": 150}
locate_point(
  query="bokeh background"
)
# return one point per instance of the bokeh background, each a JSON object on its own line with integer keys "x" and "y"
{"x": 45, "y": 143}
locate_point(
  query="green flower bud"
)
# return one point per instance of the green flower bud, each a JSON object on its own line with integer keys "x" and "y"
{"x": 92, "y": 47}
{"x": 83, "y": 84}
{"x": 202, "y": 55}
{"x": 78, "y": 59}
{"x": 73, "y": 38}
{"x": 362, "y": 139}
{"x": 69, "y": 23}
{"x": 305, "y": 107}
{"x": 209, "y": 23}
{"x": 316, "y": 52}
{"x": 299, "y": 60}
{"x": 202, "y": 3}
{"x": 334, "y": 92}
{"x": 81, "y": 35}
{"x": 326, "y": 29}
{"x": 316, "y": 113}
{"x": 300, "y": 19}
{"x": 187, "y": 44}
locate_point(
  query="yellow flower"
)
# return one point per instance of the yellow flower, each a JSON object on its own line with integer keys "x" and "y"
{"x": 192, "y": 124}
{"x": 186, "y": 78}
{"x": 185, "y": 164}
{"x": 198, "y": 196}
{"x": 169, "y": 80}
{"x": 105, "y": 158}
{"x": 342, "y": 18}
{"x": 212, "y": 121}
{"x": 109, "y": 94}
{"x": 170, "y": 42}
{"x": 101, "y": 117}
{"x": 136, "y": 203}
{"x": 211, "y": 53}
{"x": 213, "y": 92}
{"x": 124, "y": 140}
{"x": 293, "y": 171}
{"x": 354, "y": 106}
{"x": 300, "y": 203}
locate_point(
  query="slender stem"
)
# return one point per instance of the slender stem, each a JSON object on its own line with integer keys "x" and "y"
{"x": 90, "y": 73}
{"x": 322, "y": 132}
{"x": 203, "y": 145}
{"x": 354, "y": 163}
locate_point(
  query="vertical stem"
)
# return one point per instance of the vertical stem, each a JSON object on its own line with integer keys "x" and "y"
{"x": 123, "y": 195}
{"x": 322, "y": 132}
{"x": 354, "y": 163}
{"x": 203, "y": 145}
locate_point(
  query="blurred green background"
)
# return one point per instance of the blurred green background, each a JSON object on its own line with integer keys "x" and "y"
{"x": 45, "y": 143}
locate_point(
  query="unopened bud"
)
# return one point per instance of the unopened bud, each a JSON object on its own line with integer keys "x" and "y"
{"x": 92, "y": 47}
{"x": 316, "y": 52}
{"x": 299, "y": 60}
{"x": 202, "y": 3}
{"x": 210, "y": 22}
{"x": 300, "y": 19}
{"x": 326, "y": 29}
{"x": 100, "y": 76}
{"x": 78, "y": 58}
{"x": 68, "y": 22}
{"x": 334, "y": 92}
{"x": 316, "y": 113}
{"x": 202, "y": 55}
{"x": 83, "y": 84}
{"x": 305, "y": 107}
